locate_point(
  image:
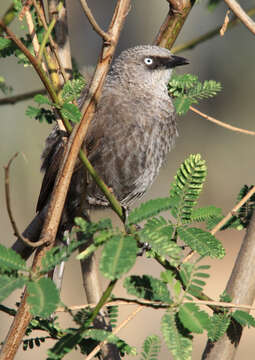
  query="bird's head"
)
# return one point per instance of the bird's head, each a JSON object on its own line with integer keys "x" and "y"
{"x": 147, "y": 65}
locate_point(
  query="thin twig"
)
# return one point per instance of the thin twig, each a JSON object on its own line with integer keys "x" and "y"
{"x": 8, "y": 205}
{"x": 225, "y": 219}
{"x": 93, "y": 22}
{"x": 221, "y": 123}
{"x": 11, "y": 100}
{"x": 155, "y": 304}
{"x": 225, "y": 24}
{"x": 52, "y": 44}
{"x": 209, "y": 35}
{"x": 241, "y": 14}
{"x": 123, "y": 324}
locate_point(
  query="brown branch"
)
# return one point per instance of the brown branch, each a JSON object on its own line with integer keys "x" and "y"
{"x": 115, "y": 331}
{"x": 241, "y": 288}
{"x": 8, "y": 205}
{"x": 173, "y": 23}
{"x": 93, "y": 22}
{"x": 56, "y": 205}
{"x": 226, "y": 218}
{"x": 241, "y": 14}
{"x": 41, "y": 16}
{"x": 221, "y": 123}
{"x": 11, "y": 100}
{"x": 155, "y": 304}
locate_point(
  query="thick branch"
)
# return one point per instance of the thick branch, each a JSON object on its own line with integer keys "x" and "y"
{"x": 56, "y": 205}
{"x": 178, "y": 12}
{"x": 241, "y": 288}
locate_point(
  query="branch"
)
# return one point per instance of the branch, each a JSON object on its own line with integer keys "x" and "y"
{"x": 241, "y": 287}
{"x": 221, "y": 123}
{"x": 210, "y": 34}
{"x": 11, "y": 100}
{"x": 8, "y": 17}
{"x": 225, "y": 219}
{"x": 241, "y": 14}
{"x": 8, "y": 206}
{"x": 156, "y": 304}
{"x": 105, "y": 36}
{"x": 173, "y": 23}
{"x": 56, "y": 205}
{"x": 115, "y": 331}
{"x": 41, "y": 16}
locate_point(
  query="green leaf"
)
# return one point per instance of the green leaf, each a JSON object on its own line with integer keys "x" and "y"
{"x": 32, "y": 112}
{"x": 118, "y": 256}
{"x": 149, "y": 209}
{"x": 65, "y": 344}
{"x": 10, "y": 260}
{"x": 5, "y": 43}
{"x": 41, "y": 99}
{"x": 43, "y": 297}
{"x": 58, "y": 254}
{"x": 72, "y": 89}
{"x": 9, "y": 284}
{"x": 204, "y": 213}
{"x": 187, "y": 186}
{"x": 178, "y": 343}
{"x": 182, "y": 105}
{"x": 147, "y": 287}
{"x": 71, "y": 112}
{"x": 204, "y": 243}
{"x": 244, "y": 318}
{"x": 151, "y": 348}
{"x": 218, "y": 327}
{"x": 4, "y": 87}
{"x": 158, "y": 232}
{"x": 193, "y": 318}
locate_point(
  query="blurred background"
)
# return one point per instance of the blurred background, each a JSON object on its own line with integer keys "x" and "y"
{"x": 229, "y": 155}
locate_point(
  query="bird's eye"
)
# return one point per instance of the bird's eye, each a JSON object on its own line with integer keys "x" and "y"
{"x": 148, "y": 61}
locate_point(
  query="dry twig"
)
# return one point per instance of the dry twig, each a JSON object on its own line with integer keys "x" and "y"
{"x": 8, "y": 205}
{"x": 104, "y": 35}
{"x": 241, "y": 14}
{"x": 221, "y": 123}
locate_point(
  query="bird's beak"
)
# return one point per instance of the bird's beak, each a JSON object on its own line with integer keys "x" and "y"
{"x": 177, "y": 61}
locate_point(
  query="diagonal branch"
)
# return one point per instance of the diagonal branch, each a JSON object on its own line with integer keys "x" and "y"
{"x": 56, "y": 205}
{"x": 241, "y": 14}
{"x": 104, "y": 35}
{"x": 173, "y": 23}
{"x": 221, "y": 123}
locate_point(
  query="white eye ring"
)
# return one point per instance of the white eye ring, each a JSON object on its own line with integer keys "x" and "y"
{"x": 148, "y": 61}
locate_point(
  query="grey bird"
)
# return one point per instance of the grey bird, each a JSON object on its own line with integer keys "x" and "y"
{"x": 132, "y": 131}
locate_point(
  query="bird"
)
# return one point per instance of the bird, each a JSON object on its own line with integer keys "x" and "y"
{"x": 128, "y": 139}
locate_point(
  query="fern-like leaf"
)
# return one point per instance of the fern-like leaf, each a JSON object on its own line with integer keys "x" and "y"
{"x": 193, "y": 318}
{"x": 147, "y": 287}
{"x": 205, "y": 213}
{"x": 218, "y": 327}
{"x": 10, "y": 260}
{"x": 244, "y": 318}
{"x": 118, "y": 256}
{"x": 148, "y": 209}
{"x": 151, "y": 348}
{"x": 158, "y": 233}
{"x": 202, "y": 242}
{"x": 186, "y": 188}
{"x": 178, "y": 343}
